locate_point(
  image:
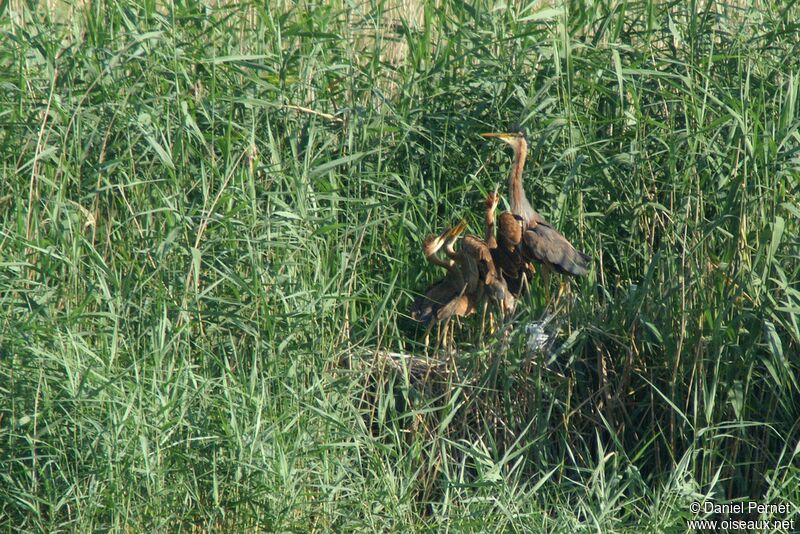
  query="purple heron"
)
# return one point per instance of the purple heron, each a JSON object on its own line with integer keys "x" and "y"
{"x": 476, "y": 255}
{"x": 457, "y": 294}
{"x": 443, "y": 299}
{"x": 470, "y": 276}
{"x": 541, "y": 243}
{"x": 504, "y": 245}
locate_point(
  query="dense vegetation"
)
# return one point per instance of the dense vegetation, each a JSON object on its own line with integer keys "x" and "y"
{"x": 210, "y": 228}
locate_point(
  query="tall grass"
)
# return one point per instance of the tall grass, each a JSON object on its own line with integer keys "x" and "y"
{"x": 210, "y": 221}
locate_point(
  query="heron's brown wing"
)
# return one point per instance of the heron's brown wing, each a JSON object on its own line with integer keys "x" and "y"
{"x": 479, "y": 252}
{"x": 472, "y": 274}
{"x": 462, "y": 305}
{"x": 440, "y": 295}
{"x": 543, "y": 243}
{"x": 507, "y": 261}
{"x": 512, "y": 266}
{"x": 449, "y": 308}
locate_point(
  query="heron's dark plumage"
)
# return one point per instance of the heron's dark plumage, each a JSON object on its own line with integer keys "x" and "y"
{"x": 543, "y": 244}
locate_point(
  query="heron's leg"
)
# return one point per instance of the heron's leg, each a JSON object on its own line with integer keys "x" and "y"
{"x": 546, "y": 282}
{"x": 563, "y": 288}
{"x": 441, "y": 329}
{"x": 483, "y": 320}
{"x": 447, "y": 336}
{"x": 496, "y": 324}
{"x": 428, "y": 336}
{"x": 451, "y": 347}
{"x": 506, "y": 313}
{"x": 525, "y": 283}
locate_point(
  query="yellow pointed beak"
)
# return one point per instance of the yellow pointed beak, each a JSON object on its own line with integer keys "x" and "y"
{"x": 457, "y": 229}
{"x": 440, "y": 239}
{"x": 507, "y": 137}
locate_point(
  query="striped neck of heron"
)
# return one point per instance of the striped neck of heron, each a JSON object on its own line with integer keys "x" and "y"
{"x": 517, "y": 194}
{"x": 489, "y": 224}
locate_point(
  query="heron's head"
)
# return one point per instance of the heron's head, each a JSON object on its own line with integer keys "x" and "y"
{"x": 433, "y": 243}
{"x": 516, "y": 138}
{"x": 457, "y": 230}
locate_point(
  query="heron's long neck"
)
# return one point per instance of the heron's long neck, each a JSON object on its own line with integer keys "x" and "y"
{"x": 519, "y": 202}
{"x": 436, "y": 260}
{"x": 491, "y": 240}
{"x": 449, "y": 249}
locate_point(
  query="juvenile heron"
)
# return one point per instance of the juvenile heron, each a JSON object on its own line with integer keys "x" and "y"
{"x": 504, "y": 245}
{"x": 481, "y": 277}
{"x": 470, "y": 276}
{"x": 442, "y": 299}
{"x": 477, "y": 252}
{"x": 541, "y": 243}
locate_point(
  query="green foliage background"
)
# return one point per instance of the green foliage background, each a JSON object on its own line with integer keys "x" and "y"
{"x": 210, "y": 219}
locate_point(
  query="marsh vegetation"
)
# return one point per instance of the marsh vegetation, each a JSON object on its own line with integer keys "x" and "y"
{"x": 210, "y": 226}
